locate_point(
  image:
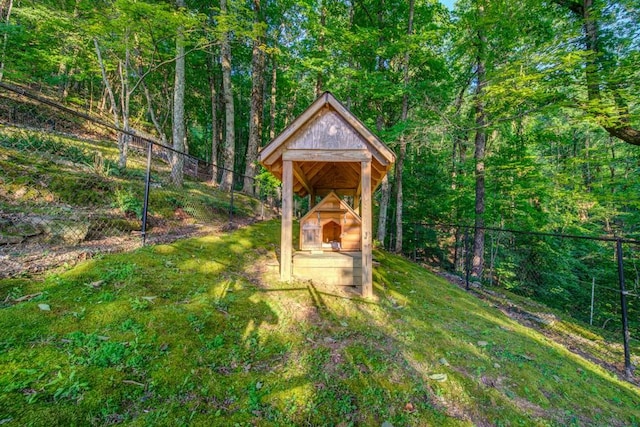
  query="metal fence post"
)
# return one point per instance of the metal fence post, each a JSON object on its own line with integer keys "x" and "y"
{"x": 147, "y": 185}
{"x": 623, "y": 305}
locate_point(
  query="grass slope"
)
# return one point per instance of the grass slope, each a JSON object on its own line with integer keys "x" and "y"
{"x": 39, "y": 171}
{"x": 74, "y": 187}
{"x": 201, "y": 332}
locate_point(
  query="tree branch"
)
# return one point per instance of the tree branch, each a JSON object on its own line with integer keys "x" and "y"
{"x": 572, "y": 5}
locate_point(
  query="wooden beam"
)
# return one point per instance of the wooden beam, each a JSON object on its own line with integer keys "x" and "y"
{"x": 327, "y": 170}
{"x": 367, "y": 230}
{"x": 339, "y": 191}
{"x": 327, "y": 156}
{"x": 355, "y": 167}
{"x": 349, "y": 173}
{"x": 286, "y": 235}
{"x": 302, "y": 178}
{"x": 311, "y": 169}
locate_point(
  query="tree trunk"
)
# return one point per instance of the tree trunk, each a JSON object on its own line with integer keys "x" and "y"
{"x": 178, "y": 126}
{"x": 385, "y": 188}
{"x": 152, "y": 114}
{"x": 385, "y": 191}
{"x": 214, "y": 119}
{"x": 384, "y": 206}
{"x": 227, "y": 89}
{"x": 257, "y": 104}
{"x": 5, "y": 14}
{"x": 125, "y": 97}
{"x": 290, "y": 106}
{"x": 402, "y": 151}
{"x": 272, "y": 109}
{"x": 319, "y": 77}
{"x": 479, "y": 154}
{"x": 115, "y": 109}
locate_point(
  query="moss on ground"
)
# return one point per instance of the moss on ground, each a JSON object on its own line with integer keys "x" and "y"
{"x": 201, "y": 332}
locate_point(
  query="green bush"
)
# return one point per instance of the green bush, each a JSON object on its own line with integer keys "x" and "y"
{"x": 128, "y": 202}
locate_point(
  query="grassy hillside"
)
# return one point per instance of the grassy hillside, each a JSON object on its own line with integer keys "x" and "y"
{"x": 61, "y": 191}
{"x": 201, "y": 332}
{"x": 41, "y": 169}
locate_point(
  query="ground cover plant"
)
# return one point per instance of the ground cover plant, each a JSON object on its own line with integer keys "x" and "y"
{"x": 201, "y": 332}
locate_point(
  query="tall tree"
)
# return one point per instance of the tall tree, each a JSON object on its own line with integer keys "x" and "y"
{"x": 480, "y": 145}
{"x": 119, "y": 110}
{"x": 227, "y": 89}
{"x": 5, "y": 15}
{"x": 178, "y": 127}
{"x": 215, "y": 130}
{"x": 402, "y": 149}
{"x": 257, "y": 99}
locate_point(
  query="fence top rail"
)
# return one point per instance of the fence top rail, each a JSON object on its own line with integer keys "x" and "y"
{"x": 535, "y": 233}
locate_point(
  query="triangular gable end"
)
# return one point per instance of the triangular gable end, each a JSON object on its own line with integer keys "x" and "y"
{"x": 327, "y": 131}
{"x": 329, "y": 196}
{"x": 356, "y": 129}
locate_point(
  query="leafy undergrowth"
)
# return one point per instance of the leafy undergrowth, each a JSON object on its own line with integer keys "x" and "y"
{"x": 201, "y": 332}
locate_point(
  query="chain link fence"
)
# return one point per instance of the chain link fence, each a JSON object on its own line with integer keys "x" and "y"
{"x": 64, "y": 196}
{"x": 594, "y": 280}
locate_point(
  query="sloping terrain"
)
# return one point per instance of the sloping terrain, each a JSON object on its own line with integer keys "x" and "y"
{"x": 63, "y": 198}
{"x": 201, "y": 332}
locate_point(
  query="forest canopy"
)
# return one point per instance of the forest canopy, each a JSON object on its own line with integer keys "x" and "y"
{"x": 521, "y": 114}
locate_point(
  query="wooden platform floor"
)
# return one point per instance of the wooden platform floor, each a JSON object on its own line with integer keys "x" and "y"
{"x": 331, "y": 268}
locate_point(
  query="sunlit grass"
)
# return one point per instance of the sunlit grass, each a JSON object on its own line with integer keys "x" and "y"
{"x": 201, "y": 332}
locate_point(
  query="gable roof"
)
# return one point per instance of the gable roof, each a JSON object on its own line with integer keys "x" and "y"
{"x": 329, "y": 135}
{"x": 343, "y": 204}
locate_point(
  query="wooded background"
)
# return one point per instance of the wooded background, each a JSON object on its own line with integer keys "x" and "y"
{"x": 514, "y": 114}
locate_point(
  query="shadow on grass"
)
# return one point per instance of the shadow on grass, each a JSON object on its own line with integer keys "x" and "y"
{"x": 201, "y": 332}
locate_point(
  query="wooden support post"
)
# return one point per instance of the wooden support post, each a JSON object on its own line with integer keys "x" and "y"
{"x": 286, "y": 239}
{"x": 367, "y": 246}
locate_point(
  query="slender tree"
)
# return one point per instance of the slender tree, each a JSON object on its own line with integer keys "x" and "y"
{"x": 257, "y": 99}
{"x": 119, "y": 110}
{"x": 402, "y": 146}
{"x": 5, "y": 14}
{"x": 480, "y": 143}
{"x": 178, "y": 128}
{"x": 227, "y": 88}
{"x": 215, "y": 130}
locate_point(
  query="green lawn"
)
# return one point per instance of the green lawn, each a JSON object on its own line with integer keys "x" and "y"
{"x": 201, "y": 332}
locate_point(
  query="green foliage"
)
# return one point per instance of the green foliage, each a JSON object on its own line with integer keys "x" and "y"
{"x": 118, "y": 273}
{"x": 268, "y": 184}
{"x": 128, "y": 202}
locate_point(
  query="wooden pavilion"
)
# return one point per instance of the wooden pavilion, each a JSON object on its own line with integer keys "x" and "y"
{"x": 327, "y": 152}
